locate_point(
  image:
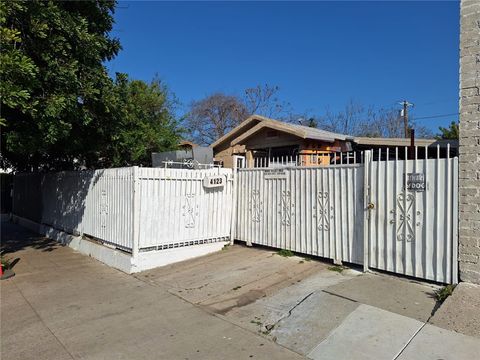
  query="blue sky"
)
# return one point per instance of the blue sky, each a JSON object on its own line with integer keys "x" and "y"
{"x": 320, "y": 54}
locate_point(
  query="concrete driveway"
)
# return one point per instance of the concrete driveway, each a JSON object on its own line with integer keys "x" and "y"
{"x": 238, "y": 303}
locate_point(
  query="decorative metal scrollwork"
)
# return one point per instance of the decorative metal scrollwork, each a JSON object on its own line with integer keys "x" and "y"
{"x": 190, "y": 211}
{"x": 190, "y": 163}
{"x": 406, "y": 216}
{"x": 322, "y": 211}
{"x": 256, "y": 206}
{"x": 103, "y": 209}
{"x": 286, "y": 208}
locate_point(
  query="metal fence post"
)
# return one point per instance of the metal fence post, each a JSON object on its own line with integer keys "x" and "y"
{"x": 81, "y": 177}
{"x": 13, "y": 195}
{"x": 366, "y": 201}
{"x": 136, "y": 212}
{"x": 233, "y": 222}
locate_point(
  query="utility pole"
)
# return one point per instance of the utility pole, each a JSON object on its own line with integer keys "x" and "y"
{"x": 404, "y": 114}
{"x": 412, "y": 144}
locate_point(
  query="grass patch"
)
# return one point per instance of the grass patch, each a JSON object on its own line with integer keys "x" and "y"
{"x": 442, "y": 294}
{"x": 285, "y": 253}
{"x": 237, "y": 287}
{"x": 5, "y": 263}
{"x": 336, "y": 268}
{"x": 301, "y": 262}
{"x": 256, "y": 322}
{"x": 226, "y": 247}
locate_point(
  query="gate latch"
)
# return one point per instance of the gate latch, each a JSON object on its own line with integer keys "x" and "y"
{"x": 371, "y": 206}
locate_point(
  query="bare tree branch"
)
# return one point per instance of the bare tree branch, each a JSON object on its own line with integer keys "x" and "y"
{"x": 213, "y": 117}
{"x": 217, "y": 114}
{"x": 263, "y": 100}
{"x": 358, "y": 120}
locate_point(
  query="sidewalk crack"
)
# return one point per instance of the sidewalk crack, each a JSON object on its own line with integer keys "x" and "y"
{"x": 290, "y": 311}
{"x": 409, "y": 341}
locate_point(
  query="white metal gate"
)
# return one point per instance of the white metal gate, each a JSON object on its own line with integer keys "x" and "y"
{"x": 316, "y": 211}
{"x": 414, "y": 231}
{"x": 357, "y": 213}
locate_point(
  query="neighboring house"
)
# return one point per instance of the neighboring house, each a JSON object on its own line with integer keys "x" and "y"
{"x": 186, "y": 145}
{"x": 259, "y": 137}
{"x": 188, "y": 156}
{"x": 435, "y": 147}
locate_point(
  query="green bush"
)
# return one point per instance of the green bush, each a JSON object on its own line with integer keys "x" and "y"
{"x": 442, "y": 294}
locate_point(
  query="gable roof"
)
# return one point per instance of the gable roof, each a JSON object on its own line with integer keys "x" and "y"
{"x": 256, "y": 123}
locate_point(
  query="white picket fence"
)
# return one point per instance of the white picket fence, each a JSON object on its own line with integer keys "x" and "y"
{"x": 134, "y": 209}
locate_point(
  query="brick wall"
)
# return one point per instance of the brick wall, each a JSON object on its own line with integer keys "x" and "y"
{"x": 469, "y": 177}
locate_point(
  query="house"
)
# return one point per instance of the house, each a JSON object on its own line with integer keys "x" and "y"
{"x": 186, "y": 145}
{"x": 268, "y": 142}
{"x": 258, "y": 138}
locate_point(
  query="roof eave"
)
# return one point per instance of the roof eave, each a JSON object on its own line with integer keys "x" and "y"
{"x": 236, "y": 129}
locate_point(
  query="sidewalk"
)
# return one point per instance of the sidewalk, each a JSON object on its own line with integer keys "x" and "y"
{"x": 375, "y": 316}
{"x": 63, "y": 305}
{"x": 240, "y": 303}
{"x": 461, "y": 311}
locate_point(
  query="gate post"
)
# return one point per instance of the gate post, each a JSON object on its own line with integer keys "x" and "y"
{"x": 135, "y": 212}
{"x": 233, "y": 220}
{"x": 366, "y": 209}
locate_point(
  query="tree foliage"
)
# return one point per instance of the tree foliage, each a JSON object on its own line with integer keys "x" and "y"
{"x": 449, "y": 133}
{"x": 60, "y": 108}
{"x": 144, "y": 123}
{"x": 53, "y": 79}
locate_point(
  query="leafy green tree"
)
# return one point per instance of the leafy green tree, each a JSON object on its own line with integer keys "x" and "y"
{"x": 60, "y": 109}
{"x": 17, "y": 70}
{"x": 450, "y": 133}
{"x": 143, "y": 123}
{"x": 54, "y": 86}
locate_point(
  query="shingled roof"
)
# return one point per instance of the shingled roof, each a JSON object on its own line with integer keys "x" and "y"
{"x": 256, "y": 122}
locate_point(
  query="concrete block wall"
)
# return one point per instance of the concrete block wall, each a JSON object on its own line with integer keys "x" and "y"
{"x": 469, "y": 160}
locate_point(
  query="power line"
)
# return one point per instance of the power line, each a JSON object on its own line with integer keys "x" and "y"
{"x": 449, "y": 100}
{"x": 436, "y": 116}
